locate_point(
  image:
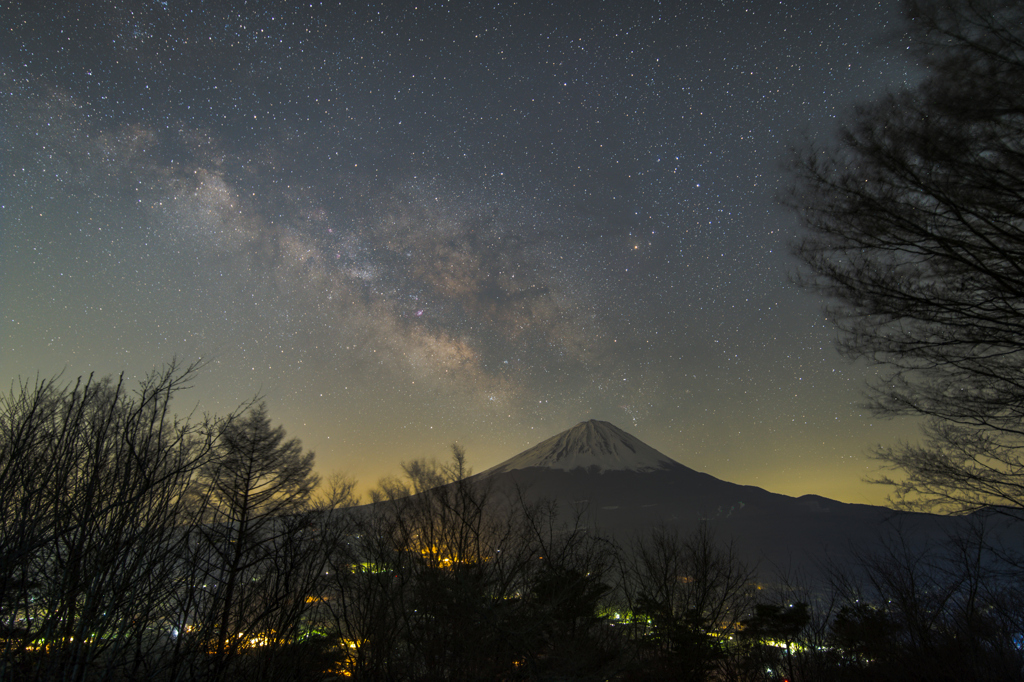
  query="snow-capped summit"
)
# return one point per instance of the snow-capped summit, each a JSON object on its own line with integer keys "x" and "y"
{"x": 591, "y": 446}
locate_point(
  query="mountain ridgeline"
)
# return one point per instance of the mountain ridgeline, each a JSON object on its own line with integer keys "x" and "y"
{"x": 624, "y": 487}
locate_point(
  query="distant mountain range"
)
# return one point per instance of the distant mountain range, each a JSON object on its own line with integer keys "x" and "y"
{"x": 624, "y": 487}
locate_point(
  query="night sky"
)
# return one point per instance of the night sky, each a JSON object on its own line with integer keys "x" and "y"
{"x": 408, "y": 224}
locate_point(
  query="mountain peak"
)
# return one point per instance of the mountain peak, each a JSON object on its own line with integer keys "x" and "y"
{"x": 592, "y": 446}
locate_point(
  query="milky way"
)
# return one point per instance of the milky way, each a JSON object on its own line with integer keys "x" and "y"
{"x": 409, "y": 224}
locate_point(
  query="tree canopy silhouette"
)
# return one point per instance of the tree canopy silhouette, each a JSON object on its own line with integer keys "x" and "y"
{"x": 914, "y": 223}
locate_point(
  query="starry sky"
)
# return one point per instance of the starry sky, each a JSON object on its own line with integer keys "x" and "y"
{"x": 408, "y": 224}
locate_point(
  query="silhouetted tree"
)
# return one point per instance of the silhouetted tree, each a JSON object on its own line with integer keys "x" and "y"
{"x": 774, "y": 627}
{"x": 444, "y": 577}
{"x": 915, "y": 230}
{"x": 423, "y": 581}
{"x": 866, "y": 636}
{"x": 92, "y": 486}
{"x": 941, "y": 612}
{"x": 253, "y": 498}
{"x": 687, "y": 595}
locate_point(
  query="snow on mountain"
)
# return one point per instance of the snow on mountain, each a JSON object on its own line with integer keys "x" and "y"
{"x": 591, "y": 446}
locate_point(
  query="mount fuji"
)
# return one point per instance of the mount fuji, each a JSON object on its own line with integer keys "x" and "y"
{"x": 593, "y": 446}
{"x": 624, "y": 487}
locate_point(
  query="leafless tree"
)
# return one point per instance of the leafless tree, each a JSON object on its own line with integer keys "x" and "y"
{"x": 459, "y": 552}
{"x": 914, "y": 612}
{"x": 93, "y": 489}
{"x": 914, "y": 224}
{"x": 445, "y": 576}
{"x": 687, "y": 596}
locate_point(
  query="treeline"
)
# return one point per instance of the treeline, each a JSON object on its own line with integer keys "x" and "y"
{"x": 136, "y": 544}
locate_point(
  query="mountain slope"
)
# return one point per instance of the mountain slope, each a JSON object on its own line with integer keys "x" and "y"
{"x": 624, "y": 487}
